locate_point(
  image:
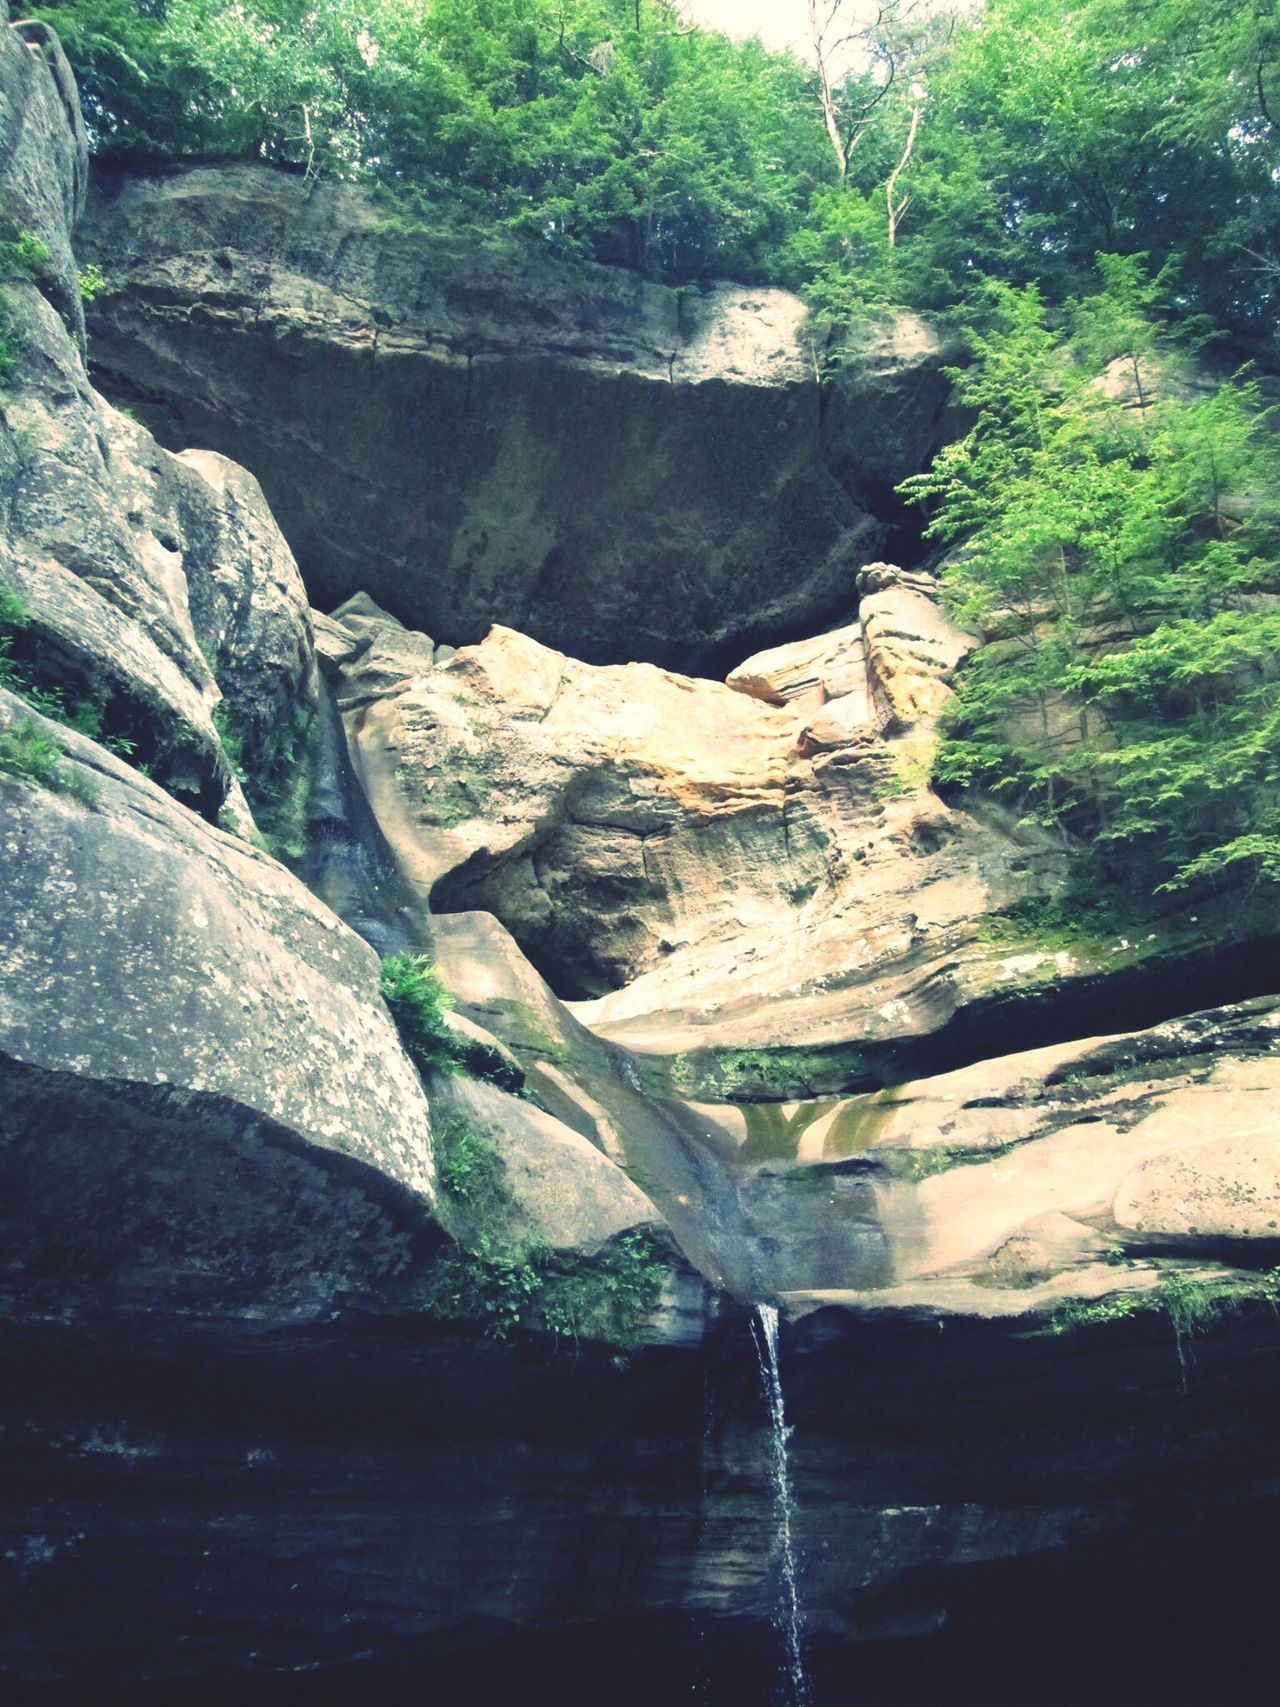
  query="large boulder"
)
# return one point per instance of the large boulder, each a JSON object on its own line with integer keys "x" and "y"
{"x": 627, "y": 823}
{"x": 752, "y": 881}
{"x": 187, "y": 1034}
{"x": 622, "y": 470}
{"x": 563, "y": 1193}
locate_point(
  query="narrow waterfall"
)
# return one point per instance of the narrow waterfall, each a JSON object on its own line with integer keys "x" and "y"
{"x": 764, "y": 1329}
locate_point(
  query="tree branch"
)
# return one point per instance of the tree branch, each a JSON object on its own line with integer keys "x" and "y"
{"x": 898, "y": 208}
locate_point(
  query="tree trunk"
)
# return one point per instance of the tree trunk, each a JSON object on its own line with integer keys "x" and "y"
{"x": 898, "y": 207}
{"x": 826, "y": 95}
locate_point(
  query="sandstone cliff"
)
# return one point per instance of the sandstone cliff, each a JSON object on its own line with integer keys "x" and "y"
{"x": 756, "y": 1015}
{"x": 621, "y": 470}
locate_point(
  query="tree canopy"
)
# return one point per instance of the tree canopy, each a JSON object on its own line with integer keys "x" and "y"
{"x": 1114, "y": 514}
{"x": 606, "y": 128}
{"x": 1010, "y": 140}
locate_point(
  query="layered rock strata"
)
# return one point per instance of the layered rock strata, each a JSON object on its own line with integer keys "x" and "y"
{"x": 619, "y": 469}
{"x": 753, "y": 881}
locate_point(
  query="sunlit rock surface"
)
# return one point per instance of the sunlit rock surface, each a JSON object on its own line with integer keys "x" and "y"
{"x": 752, "y": 881}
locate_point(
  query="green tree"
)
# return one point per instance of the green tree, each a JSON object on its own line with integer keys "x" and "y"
{"x": 1111, "y": 536}
{"x": 606, "y": 128}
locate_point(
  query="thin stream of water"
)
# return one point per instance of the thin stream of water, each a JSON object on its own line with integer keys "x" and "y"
{"x": 764, "y": 1329}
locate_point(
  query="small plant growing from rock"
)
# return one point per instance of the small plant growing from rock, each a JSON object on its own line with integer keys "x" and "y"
{"x": 8, "y": 353}
{"x": 87, "y": 715}
{"x": 229, "y": 739}
{"x": 13, "y": 618}
{"x": 418, "y": 1001}
{"x": 475, "y": 1177}
{"x": 31, "y": 754}
{"x": 23, "y": 256}
{"x": 607, "y": 1298}
{"x": 1192, "y": 1303}
{"x": 502, "y": 1283}
{"x": 93, "y": 281}
{"x": 28, "y": 752}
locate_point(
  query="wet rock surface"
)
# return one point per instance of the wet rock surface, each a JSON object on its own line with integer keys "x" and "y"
{"x": 482, "y": 1517}
{"x": 1003, "y": 1185}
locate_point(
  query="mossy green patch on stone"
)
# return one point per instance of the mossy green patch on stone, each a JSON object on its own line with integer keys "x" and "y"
{"x": 607, "y": 1298}
{"x": 522, "y": 1029}
{"x": 30, "y": 753}
{"x": 918, "y": 1165}
{"x": 502, "y": 1282}
{"x": 761, "y": 1075}
{"x": 1192, "y": 1298}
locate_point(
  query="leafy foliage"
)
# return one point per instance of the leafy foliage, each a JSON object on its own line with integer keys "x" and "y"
{"x": 92, "y": 281}
{"x": 85, "y": 714}
{"x": 32, "y": 754}
{"x": 1012, "y": 140}
{"x": 607, "y": 1298}
{"x": 506, "y": 1284}
{"x": 1115, "y": 527}
{"x": 418, "y": 1001}
{"x": 602, "y": 127}
{"x": 22, "y": 256}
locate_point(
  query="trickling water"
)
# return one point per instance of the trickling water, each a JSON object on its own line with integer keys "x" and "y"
{"x": 764, "y": 1330}
{"x": 348, "y": 864}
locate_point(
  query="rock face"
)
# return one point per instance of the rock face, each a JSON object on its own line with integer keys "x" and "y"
{"x": 44, "y": 155}
{"x": 1028, "y": 1299}
{"x": 154, "y": 585}
{"x": 566, "y": 1194}
{"x": 161, "y": 975}
{"x": 193, "y": 1048}
{"x": 1058, "y": 1173}
{"x": 889, "y": 670}
{"x": 634, "y": 827}
{"x": 755, "y": 884}
{"x": 154, "y": 961}
{"x": 620, "y": 470}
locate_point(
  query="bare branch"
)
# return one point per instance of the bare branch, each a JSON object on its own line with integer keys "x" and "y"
{"x": 898, "y": 205}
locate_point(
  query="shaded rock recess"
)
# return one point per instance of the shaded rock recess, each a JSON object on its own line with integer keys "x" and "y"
{"x": 622, "y": 470}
